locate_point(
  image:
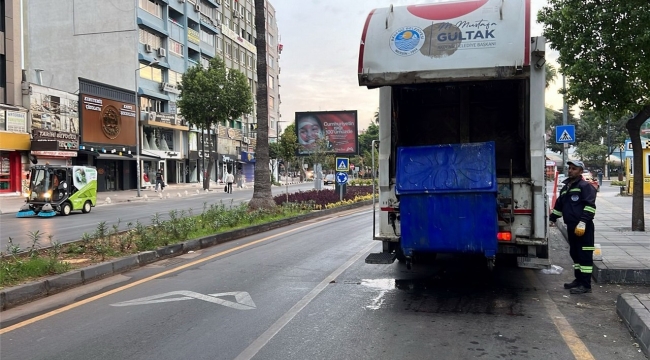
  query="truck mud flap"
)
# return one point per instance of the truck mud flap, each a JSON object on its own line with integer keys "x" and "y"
{"x": 533, "y": 263}
{"x": 381, "y": 258}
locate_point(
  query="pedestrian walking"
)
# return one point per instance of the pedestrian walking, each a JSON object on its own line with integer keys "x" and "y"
{"x": 577, "y": 205}
{"x": 229, "y": 180}
{"x": 160, "y": 180}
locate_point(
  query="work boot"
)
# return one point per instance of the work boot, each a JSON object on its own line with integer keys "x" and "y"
{"x": 580, "y": 290}
{"x": 572, "y": 284}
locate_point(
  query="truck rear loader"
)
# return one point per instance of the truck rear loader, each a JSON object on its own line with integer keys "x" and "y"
{"x": 461, "y": 131}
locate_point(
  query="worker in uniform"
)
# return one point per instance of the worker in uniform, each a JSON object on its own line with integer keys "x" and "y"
{"x": 577, "y": 205}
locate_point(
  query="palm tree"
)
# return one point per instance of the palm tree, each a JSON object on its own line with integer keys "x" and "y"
{"x": 262, "y": 196}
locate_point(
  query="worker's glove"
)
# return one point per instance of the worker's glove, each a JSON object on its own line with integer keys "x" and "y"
{"x": 580, "y": 229}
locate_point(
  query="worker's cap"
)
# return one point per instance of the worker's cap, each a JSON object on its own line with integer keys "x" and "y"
{"x": 577, "y": 163}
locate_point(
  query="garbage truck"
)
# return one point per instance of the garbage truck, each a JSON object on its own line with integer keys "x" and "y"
{"x": 59, "y": 189}
{"x": 461, "y": 148}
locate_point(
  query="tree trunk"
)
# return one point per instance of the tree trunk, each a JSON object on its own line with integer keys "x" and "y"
{"x": 262, "y": 197}
{"x": 634, "y": 129}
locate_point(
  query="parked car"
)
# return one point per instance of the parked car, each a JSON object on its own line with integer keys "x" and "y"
{"x": 590, "y": 179}
{"x": 329, "y": 179}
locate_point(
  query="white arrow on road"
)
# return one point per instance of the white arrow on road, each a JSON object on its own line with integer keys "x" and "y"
{"x": 243, "y": 300}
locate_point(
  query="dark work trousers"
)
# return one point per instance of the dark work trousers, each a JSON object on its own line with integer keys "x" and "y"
{"x": 581, "y": 249}
{"x": 230, "y": 187}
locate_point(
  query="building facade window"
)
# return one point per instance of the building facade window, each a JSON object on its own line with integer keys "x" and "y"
{"x": 151, "y": 73}
{"x": 271, "y": 82}
{"x": 219, "y": 44}
{"x": 207, "y": 38}
{"x": 173, "y": 77}
{"x": 228, "y": 48}
{"x": 148, "y": 38}
{"x": 271, "y": 40}
{"x": 152, "y": 7}
{"x": 243, "y": 57}
{"x": 207, "y": 10}
{"x": 205, "y": 62}
{"x": 175, "y": 48}
{"x": 147, "y": 104}
{"x": 271, "y": 102}
{"x": 271, "y": 62}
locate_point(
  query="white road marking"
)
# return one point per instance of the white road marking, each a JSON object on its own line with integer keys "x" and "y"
{"x": 242, "y": 298}
{"x": 261, "y": 341}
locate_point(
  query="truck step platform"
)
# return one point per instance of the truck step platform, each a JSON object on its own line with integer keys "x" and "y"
{"x": 533, "y": 263}
{"x": 381, "y": 258}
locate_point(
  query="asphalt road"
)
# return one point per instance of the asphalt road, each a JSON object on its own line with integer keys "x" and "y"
{"x": 304, "y": 292}
{"x": 71, "y": 228}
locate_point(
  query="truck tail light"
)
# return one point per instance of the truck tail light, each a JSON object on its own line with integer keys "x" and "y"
{"x": 504, "y": 236}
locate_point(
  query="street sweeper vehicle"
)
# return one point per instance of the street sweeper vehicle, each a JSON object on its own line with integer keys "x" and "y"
{"x": 461, "y": 131}
{"x": 59, "y": 189}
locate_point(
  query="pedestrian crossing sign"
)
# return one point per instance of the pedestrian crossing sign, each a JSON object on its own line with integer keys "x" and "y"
{"x": 565, "y": 134}
{"x": 342, "y": 164}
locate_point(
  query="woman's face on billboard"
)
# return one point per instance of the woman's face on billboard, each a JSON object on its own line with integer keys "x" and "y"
{"x": 309, "y": 131}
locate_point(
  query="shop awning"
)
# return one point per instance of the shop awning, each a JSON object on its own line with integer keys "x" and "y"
{"x": 103, "y": 156}
{"x": 149, "y": 158}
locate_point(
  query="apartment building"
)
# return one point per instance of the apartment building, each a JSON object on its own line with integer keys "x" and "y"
{"x": 107, "y": 49}
{"x": 14, "y": 136}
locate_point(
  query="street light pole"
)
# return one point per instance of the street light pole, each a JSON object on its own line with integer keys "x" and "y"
{"x": 137, "y": 127}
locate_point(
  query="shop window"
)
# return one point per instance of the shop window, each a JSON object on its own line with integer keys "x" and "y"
{"x": 5, "y": 171}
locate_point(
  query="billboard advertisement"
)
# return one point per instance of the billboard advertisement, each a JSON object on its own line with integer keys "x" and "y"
{"x": 333, "y": 132}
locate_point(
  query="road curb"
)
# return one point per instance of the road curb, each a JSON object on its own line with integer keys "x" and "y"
{"x": 602, "y": 274}
{"x": 25, "y": 293}
{"x": 633, "y": 309}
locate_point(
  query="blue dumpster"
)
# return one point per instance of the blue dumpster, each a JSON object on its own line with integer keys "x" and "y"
{"x": 448, "y": 198}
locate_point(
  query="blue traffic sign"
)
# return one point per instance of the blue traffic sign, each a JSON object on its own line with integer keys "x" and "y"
{"x": 342, "y": 164}
{"x": 565, "y": 134}
{"x": 341, "y": 178}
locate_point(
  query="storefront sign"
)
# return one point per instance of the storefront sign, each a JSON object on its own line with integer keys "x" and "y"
{"x": 107, "y": 121}
{"x": 54, "y": 140}
{"x": 165, "y": 118}
{"x": 248, "y": 157}
{"x": 56, "y": 153}
{"x": 53, "y": 109}
{"x": 16, "y": 121}
{"x": 170, "y": 88}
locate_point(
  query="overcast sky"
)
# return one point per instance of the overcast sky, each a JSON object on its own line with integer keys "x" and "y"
{"x": 320, "y": 56}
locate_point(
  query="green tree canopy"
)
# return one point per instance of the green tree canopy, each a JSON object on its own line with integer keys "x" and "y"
{"x": 213, "y": 95}
{"x": 603, "y": 48}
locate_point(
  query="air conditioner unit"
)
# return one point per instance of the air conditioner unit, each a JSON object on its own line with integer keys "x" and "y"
{"x": 148, "y": 48}
{"x": 152, "y": 116}
{"x": 162, "y": 52}
{"x": 246, "y": 140}
{"x": 181, "y": 1}
{"x": 162, "y": 86}
{"x": 197, "y": 7}
{"x": 235, "y": 14}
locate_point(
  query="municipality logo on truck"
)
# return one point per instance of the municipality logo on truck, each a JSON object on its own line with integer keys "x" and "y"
{"x": 407, "y": 40}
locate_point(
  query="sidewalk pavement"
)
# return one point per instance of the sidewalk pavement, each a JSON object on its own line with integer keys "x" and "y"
{"x": 11, "y": 203}
{"x": 625, "y": 258}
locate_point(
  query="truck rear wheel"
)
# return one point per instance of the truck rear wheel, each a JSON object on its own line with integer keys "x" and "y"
{"x": 66, "y": 208}
{"x": 87, "y": 207}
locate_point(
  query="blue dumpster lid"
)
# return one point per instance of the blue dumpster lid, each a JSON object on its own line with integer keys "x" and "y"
{"x": 446, "y": 168}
